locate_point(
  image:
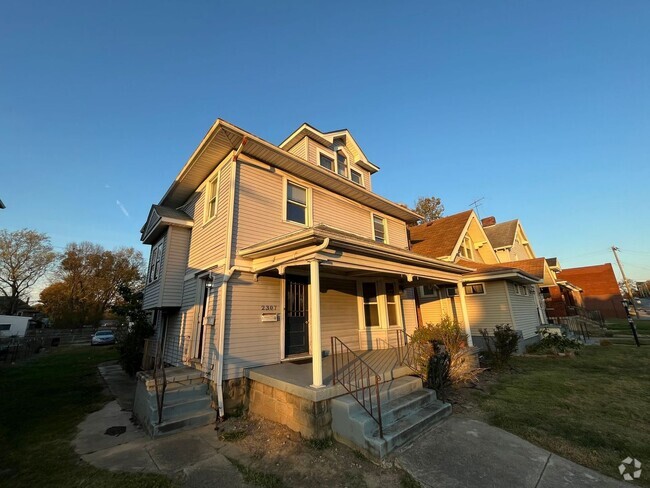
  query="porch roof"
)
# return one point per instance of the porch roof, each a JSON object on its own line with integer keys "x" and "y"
{"x": 340, "y": 248}
{"x": 505, "y": 271}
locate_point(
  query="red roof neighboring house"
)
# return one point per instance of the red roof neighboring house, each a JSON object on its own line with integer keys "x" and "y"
{"x": 600, "y": 288}
{"x": 439, "y": 237}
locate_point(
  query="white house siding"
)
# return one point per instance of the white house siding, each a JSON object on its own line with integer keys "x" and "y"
{"x": 208, "y": 242}
{"x": 151, "y": 298}
{"x": 409, "y": 311}
{"x": 180, "y": 326}
{"x": 431, "y": 309}
{"x": 339, "y": 312}
{"x": 397, "y": 235}
{"x": 524, "y": 309}
{"x": 249, "y": 342}
{"x": 504, "y": 255}
{"x": 488, "y": 310}
{"x": 176, "y": 251}
{"x": 300, "y": 148}
{"x": 342, "y": 214}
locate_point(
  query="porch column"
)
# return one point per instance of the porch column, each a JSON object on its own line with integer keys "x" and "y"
{"x": 463, "y": 307}
{"x": 314, "y": 320}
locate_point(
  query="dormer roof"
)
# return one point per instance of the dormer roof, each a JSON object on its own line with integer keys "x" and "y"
{"x": 439, "y": 238}
{"x": 502, "y": 235}
{"x": 159, "y": 219}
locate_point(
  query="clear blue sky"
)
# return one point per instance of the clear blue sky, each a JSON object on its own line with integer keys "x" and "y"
{"x": 542, "y": 108}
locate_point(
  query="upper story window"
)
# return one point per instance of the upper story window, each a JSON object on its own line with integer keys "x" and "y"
{"x": 212, "y": 197}
{"x": 341, "y": 164}
{"x": 356, "y": 177}
{"x": 297, "y": 207}
{"x": 379, "y": 229}
{"x": 467, "y": 248}
{"x": 155, "y": 262}
{"x": 326, "y": 162}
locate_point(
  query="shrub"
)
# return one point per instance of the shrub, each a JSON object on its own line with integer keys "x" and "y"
{"x": 502, "y": 345}
{"x": 454, "y": 365}
{"x": 554, "y": 343}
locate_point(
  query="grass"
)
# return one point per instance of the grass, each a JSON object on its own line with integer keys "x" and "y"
{"x": 591, "y": 409}
{"x": 42, "y": 402}
{"x": 621, "y": 325}
{"x": 258, "y": 478}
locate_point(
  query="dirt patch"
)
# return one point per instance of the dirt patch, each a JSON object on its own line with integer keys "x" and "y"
{"x": 273, "y": 449}
{"x": 465, "y": 398}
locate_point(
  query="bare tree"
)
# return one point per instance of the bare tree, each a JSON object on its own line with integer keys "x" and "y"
{"x": 25, "y": 256}
{"x": 431, "y": 208}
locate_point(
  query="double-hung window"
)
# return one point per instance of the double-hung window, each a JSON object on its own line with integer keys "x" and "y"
{"x": 379, "y": 229}
{"x": 155, "y": 262}
{"x": 466, "y": 248}
{"x": 341, "y": 164}
{"x": 370, "y": 304}
{"x": 212, "y": 196}
{"x": 391, "y": 303}
{"x": 356, "y": 177}
{"x": 296, "y": 203}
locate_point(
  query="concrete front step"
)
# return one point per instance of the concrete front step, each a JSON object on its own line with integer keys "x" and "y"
{"x": 407, "y": 410}
{"x": 173, "y": 426}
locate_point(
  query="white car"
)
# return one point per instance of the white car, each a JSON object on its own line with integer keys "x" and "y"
{"x": 102, "y": 337}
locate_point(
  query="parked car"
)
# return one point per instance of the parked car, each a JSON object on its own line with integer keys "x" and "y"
{"x": 102, "y": 338}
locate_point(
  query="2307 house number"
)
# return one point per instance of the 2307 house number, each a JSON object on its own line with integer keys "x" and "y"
{"x": 269, "y": 308}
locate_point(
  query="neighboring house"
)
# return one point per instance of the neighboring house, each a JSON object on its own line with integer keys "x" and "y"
{"x": 508, "y": 240}
{"x": 495, "y": 293}
{"x": 262, "y": 253}
{"x": 13, "y": 326}
{"x": 600, "y": 290}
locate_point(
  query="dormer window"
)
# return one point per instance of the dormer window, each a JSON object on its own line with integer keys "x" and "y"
{"x": 326, "y": 162}
{"x": 341, "y": 164}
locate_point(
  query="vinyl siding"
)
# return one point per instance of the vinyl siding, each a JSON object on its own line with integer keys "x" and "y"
{"x": 409, "y": 311}
{"x": 486, "y": 311}
{"x": 524, "y": 309}
{"x": 250, "y": 342}
{"x": 397, "y": 235}
{"x": 208, "y": 242}
{"x": 313, "y": 157}
{"x": 342, "y": 214}
{"x": 152, "y": 291}
{"x": 176, "y": 252}
{"x": 339, "y": 312}
{"x": 210, "y": 353}
{"x": 180, "y": 326}
{"x": 300, "y": 148}
{"x": 431, "y": 309}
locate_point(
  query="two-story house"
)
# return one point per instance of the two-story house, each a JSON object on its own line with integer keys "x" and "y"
{"x": 262, "y": 254}
{"x": 495, "y": 293}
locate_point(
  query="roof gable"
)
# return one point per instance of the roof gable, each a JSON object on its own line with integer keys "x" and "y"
{"x": 503, "y": 234}
{"x": 440, "y": 238}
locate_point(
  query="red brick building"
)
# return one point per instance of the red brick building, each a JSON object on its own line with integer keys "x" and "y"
{"x": 600, "y": 288}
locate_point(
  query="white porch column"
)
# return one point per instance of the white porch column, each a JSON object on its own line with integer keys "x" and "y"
{"x": 314, "y": 321}
{"x": 463, "y": 307}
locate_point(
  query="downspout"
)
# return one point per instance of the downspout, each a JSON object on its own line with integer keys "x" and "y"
{"x": 228, "y": 271}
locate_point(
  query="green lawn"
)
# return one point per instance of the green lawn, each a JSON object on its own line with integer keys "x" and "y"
{"x": 42, "y": 402}
{"x": 592, "y": 409}
{"x": 621, "y": 326}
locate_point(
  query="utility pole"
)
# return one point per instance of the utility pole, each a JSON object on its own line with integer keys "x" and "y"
{"x": 627, "y": 283}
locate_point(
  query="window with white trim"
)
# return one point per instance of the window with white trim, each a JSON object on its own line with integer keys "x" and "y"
{"x": 521, "y": 290}
{"x": 475, "y": 289}
{"x": 297, "y": 207}
{"x": 379, "y": 229}
{"x": 467, "y": 248}
{"x": 370, "y": 304}
{"x": 356, "y": 177}
{"x": 452, "y": 292}
{"x": 155, "y": 262}
{"x": 391, "y": 303}
{"x": 429, "y": 291}
{"x": 341, "y": 164}
{"x": 212, "y": 197}
{"x": 326, "y": 162}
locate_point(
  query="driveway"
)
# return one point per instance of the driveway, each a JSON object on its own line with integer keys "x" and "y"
{"x": 466, "y": 453}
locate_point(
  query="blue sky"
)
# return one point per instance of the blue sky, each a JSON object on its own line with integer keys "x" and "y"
{"x": 541, "y": 108}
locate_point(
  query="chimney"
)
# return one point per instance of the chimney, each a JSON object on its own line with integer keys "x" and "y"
{"x": 488, "y": 221}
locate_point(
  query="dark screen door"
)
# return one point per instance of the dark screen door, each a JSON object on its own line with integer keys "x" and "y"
{"x": 206, "y": 292}
{"x": 296, "y": 335}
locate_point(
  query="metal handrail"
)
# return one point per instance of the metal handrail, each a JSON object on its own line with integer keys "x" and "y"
{"x": 159, "y": 363}
{"x": 357, "y": 377}
{"x": 410, "y": 356}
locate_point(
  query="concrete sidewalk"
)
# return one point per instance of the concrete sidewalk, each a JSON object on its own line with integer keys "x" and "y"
{"x": 108, "y": 439}
{"x": 465, "y": 453}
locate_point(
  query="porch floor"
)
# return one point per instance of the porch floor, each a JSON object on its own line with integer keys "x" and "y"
{"x": 295, "y": 377}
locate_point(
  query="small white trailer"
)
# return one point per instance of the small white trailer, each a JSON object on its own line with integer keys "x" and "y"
{"x": 12, "y": 325}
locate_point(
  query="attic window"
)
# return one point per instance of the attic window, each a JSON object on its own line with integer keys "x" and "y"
{"x": 212, "y": 197}
{"x": 356, "y": 177}
{"x": 466, "y": 248}
{"x": 341, "y": 164}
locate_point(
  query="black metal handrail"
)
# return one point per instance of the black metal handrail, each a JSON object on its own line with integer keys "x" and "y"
{"x": 358, "y": 379}
{"x": 411, "y": 353}
{"x": 593, "y": 315}
{"x": 574, "y": 324}
{"x": 159, "y": 364}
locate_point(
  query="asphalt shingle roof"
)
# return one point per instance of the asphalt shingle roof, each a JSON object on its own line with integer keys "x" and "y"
{"x": 437, "y": 239}
{"x": 503, "y": 234}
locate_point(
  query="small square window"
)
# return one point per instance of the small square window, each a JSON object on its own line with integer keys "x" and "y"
{"x": 452, "y": 292}
{"x": 341, "y": 164}
{"x": 356, "y": 177}
{"x": 296, "y": 203}
{"x": 475, "y": 289}
{"x": 326, "y": 162}
{"x": 429, "y": 291}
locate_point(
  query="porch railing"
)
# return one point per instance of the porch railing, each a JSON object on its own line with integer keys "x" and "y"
{"x": 574, "y": 323}
{"x": 358, "y": 379}
{"x": 593, "y": 315}
{"x": 411, "y": 353}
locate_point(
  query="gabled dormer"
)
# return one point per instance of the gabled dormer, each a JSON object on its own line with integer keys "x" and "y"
{"x": 336, "y": 151}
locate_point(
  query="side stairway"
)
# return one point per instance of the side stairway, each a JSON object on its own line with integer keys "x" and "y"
{"x": 186, "y": 402}
{"x": 407, "y": 410}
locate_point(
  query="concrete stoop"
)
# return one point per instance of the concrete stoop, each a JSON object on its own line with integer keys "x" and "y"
{"x": 187, "y": 404}
{"x": 407, "y": 410}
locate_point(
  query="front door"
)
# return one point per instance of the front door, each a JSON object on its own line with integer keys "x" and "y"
{"x": 296, "y": 336}
{"x": 204, "y": 306}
